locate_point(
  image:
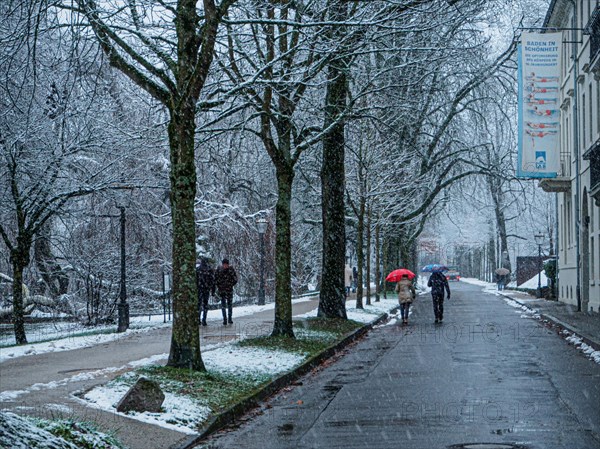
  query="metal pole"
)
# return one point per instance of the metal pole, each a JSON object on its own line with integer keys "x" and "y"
{"x": 576, "y": 145}
{"x": 123, "y": 307}
{"x": 164, "y": 298}
{"x": 539, "y": 288}
{"x": 261, "y": 288}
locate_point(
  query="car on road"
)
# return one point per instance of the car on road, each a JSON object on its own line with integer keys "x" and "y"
{"x": 452, "y": 274}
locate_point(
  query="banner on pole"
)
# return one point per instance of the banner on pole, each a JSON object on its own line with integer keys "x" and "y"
{"x": 538, "y": 154}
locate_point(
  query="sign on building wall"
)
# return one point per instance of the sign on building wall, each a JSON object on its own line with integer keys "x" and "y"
{"x": 539, "y": 110}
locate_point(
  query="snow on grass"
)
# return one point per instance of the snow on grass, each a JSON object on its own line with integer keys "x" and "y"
{"x": 368, "y": 314}
{"x": 248, "y": 360}
{"x": 310, "y": 334}
{"x": 180, "y": 413}
{"x": 23, "y": 433}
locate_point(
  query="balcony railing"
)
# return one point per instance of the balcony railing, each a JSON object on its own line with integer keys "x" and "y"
{"x": 565, "y": 164}
{"x": 562, "y": 182}
{"x": 593, "y": 155}
{"x": 593, "y": 30}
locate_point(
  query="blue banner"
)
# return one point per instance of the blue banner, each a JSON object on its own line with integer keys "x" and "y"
{"x": 538, "y": 74}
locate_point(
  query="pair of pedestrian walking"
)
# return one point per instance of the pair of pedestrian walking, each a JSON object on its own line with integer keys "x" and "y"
{"x": 407, "y": 293}
{"x": 220, "y": 282}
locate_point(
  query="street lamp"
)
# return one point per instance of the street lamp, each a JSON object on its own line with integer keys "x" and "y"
{"x": 123, "y": 307}
{"x": 539, "y": 240}
{"x": 261, "y": 225}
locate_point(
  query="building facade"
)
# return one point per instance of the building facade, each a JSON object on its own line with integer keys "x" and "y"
{"x": 578, "y": 183}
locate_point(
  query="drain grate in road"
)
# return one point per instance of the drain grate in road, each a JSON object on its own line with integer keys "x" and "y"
{"x": 487, "y": 446}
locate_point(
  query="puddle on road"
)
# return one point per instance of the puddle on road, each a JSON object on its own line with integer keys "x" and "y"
{"x": 487, "y": 446}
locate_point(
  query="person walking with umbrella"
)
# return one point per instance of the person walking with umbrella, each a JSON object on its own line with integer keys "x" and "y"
{"x": 406, "y": 294}
{"x": 438, "y": 283}
{"x": 405, "y": 289}
{"x": 501, "y": 275}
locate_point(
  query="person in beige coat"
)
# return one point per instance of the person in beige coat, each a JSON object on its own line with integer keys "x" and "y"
{"x": 406, "y": 294}
{"x": 347, "y": 279}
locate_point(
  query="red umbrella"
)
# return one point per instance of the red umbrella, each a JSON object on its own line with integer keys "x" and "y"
{"x": 396, "y": 275}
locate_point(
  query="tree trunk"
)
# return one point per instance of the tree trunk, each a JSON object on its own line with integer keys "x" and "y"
{"x": 359, "y": 252}
{"x": 332, "y": 297}
{"x": 377, "y": 264}
{"x": 283, "y": 254}
{"x": 368, "y": 256}
{"x": 405, "y": 256}
{"x": 386, "y": 267}
{"x": 55, "y": 279}
{"x": 185, "y": 339}
{"x": 498, "y": 199}
{"x": 332, "y": 301}
{"x": 19, "y": 259}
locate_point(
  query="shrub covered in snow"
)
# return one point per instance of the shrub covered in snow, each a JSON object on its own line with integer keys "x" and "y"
{"x": 18, "y": 432}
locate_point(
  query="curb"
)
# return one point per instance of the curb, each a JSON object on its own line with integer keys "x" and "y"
{"x": 229, "y": 415}
{"x": 561, "y": 324}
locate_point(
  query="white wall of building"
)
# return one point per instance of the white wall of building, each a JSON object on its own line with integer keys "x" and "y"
{"x": 571, "y": 219}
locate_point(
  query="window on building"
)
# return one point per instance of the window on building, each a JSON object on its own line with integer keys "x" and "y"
{"x": 590, "y": 113}
{"x": 597, "y": 276}
{"x": 592, "y": 257}
{"x": 582, "y": 120}
{"x": 565, "y": 61}
{"x": 598, "y": 106}
{"x": 580, "y": 11}
{"x": 568, "y": 137}
{"x": 561, "y": 236}
{"x": 568, "y": 221}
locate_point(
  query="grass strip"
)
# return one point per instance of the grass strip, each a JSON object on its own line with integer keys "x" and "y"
{"x": 213, "y": 389}
{"x": 81, "y": 434}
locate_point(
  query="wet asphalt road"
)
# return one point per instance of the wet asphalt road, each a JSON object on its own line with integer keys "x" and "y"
{"x": 487, "y": 374}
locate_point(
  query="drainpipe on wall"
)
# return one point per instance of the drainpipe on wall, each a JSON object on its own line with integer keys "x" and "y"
{"x": 576, "y": 152}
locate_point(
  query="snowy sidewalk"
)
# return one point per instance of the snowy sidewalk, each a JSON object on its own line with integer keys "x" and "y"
{"x": 586, "y": 325}
{"x": 579, "y": 328}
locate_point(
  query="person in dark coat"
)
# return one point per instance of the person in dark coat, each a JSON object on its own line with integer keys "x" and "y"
{"x": 438, "y": 283}
{"x": 225, "y": 279}
{"x": 205, "y": 280}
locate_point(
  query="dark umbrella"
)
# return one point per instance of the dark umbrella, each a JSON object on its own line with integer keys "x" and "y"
{"x": 434, "y": 267}
{"x": 396, "y": 275}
